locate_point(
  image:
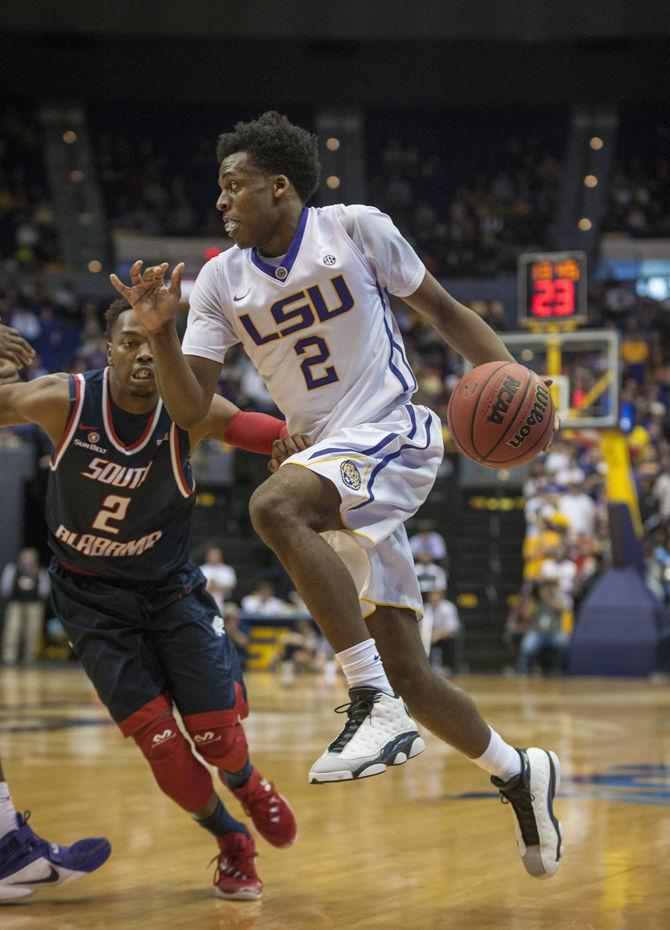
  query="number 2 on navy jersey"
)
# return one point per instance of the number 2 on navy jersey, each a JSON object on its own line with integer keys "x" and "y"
{"x": 317, "y": 358}
{"x": 113, "y": 507}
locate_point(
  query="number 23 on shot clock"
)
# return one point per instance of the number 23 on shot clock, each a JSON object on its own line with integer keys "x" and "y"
{"x": 552, "y": 289}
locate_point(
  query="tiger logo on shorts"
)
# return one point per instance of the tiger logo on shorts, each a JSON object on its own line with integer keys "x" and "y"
{"x": 350, "y": 475}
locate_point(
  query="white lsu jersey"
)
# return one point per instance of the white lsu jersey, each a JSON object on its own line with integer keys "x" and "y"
{"x": 317, "y": 326}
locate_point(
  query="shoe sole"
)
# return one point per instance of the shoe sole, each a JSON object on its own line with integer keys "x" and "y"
{"x": 11, "y": 892}
{"x": 532, "y": 859}
{"x": 399, "y": 757}
{"x": 245, "y": 894}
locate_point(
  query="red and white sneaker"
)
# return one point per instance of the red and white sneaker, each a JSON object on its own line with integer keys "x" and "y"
{"x": 235, "y": 878}
{"x": 269, "y": 811}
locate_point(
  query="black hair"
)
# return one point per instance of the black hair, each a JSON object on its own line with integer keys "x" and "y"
{"x": 276, "y": 146}
{"x": 112, "y": 313}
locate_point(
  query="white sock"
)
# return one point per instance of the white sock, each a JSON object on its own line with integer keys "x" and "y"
{"x": 500, "y": 759}
{"x": 362, "y": 666}
{"x": 7, "y": 812}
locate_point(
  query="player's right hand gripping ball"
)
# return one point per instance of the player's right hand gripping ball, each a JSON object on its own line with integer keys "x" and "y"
{"x": 501, "y": 414}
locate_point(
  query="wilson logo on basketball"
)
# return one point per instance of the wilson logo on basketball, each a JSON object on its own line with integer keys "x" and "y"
{"x": 536, "y": 415}
{"x": 505, "y": 397}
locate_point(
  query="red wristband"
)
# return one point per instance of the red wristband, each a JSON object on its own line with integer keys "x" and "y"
{"x": 255, "y": 432}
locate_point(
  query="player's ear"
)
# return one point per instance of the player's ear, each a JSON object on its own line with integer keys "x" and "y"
{"x": 280, "y": 185}
{"x": 109, "y": 352}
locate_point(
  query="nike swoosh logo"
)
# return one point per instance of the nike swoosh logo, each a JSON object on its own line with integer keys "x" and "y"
{"x": 242, "y": 296}
{"x": 53, "y": 877}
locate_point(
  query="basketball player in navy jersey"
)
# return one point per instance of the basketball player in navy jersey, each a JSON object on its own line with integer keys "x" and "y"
{"x": 306, "y": 292}
{"x": 27, "y": 862}
{"x": 121, "y": 493}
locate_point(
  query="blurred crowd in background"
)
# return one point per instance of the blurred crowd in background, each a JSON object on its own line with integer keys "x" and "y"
{"x": 464, "y": 219}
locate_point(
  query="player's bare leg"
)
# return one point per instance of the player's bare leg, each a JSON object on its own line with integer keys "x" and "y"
{"x": 529, "y": 778}
{"x": 289, "y": 511}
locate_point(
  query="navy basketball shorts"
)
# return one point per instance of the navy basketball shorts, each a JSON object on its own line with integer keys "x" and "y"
{"x": 145, "y": 643}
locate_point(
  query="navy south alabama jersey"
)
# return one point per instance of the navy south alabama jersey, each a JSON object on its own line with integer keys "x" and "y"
{"x": 116, "y": 509}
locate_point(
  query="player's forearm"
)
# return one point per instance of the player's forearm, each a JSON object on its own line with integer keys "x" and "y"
{"x": 469, "y": 334}
{"x": 178, "y": 387}
{"x": 255, "y": 432}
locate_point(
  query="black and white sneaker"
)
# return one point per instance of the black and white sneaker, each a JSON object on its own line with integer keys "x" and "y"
{"x": 539, "y": 835}
{"x": 379, "y": 732}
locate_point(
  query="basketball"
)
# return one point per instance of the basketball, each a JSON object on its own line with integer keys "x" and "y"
{"x": 501, "y": 414}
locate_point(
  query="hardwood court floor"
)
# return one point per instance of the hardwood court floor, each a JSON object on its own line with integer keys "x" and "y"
{"x": 411, "y": 848}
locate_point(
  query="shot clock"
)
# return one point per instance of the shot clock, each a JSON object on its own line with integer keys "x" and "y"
{"x": 552, "y": 289}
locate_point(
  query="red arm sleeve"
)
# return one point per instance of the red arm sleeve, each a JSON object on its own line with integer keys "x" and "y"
{"x": 255, "y": 432}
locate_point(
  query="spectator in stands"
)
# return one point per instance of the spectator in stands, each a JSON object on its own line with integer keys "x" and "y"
{"x": 519, "y": 621}
{"x": 427, "y": 539}
{"x": 545, "y": 635}
{"x": 658, "y": 562}
{"x": 262, "y": 602}
{"x": 634, "y": 350}
{"x": 542, "y": 504}
{"x": 559, "y": 458}
{"x": 431, "y": 576}
{"x": 576, "y": 506}
{"x": 25, "y": 585}
{"x": 551, "y": 532}
{"x": 93, "y": 349}
{"x": 661, "y": 490}
{"x": 221, "y": 578}
{"x": 558, "y": 567}
{"x": 441, "y": 632}
{"x": 302, "y": 651}
{"x": 26, "y": 322}
{"x": 238, "y": 627}
{"x": 536, "y": 481}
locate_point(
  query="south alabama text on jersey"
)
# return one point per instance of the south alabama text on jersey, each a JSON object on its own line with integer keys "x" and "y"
{"x": 317, "y": 326}
{"x": 87, "y": 544}
{"x": 119, "y": 508}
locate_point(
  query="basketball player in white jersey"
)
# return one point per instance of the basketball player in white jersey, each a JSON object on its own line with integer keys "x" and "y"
{"x": 305, "y": 291}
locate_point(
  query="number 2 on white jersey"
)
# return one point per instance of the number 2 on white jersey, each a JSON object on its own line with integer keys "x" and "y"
{"x": 113, "y": 508}
{"x": 318, "y": 358}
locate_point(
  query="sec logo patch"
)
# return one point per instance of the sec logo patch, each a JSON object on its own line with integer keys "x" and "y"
{"x": 350, "y": 475}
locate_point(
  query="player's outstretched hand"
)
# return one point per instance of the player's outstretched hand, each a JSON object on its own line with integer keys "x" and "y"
{"x": 14, "y": 348}
{"x": 284, "y": 448}
{"x": 154, "y": 302}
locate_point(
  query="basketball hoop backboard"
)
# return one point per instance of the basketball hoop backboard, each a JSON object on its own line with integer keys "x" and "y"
{"x": 587, "y": 389}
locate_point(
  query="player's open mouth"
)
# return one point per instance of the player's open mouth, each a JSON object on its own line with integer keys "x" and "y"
{"x": 142, "y": 374}
{"x": 231, "y": 227}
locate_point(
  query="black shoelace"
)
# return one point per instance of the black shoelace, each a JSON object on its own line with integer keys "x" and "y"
{"x": 522, "y": 801}
{"x": 356, "y": 714}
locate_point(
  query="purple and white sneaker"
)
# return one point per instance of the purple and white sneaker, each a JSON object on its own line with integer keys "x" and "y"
{"x": 27, "y": 861}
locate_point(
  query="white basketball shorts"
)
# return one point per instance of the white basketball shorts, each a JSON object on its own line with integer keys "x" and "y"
{"x": 383, "y": 472}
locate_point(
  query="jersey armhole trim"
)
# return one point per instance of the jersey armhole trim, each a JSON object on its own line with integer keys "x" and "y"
{"x": 73, "y": 421}
{"x": 175, "y": 457}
